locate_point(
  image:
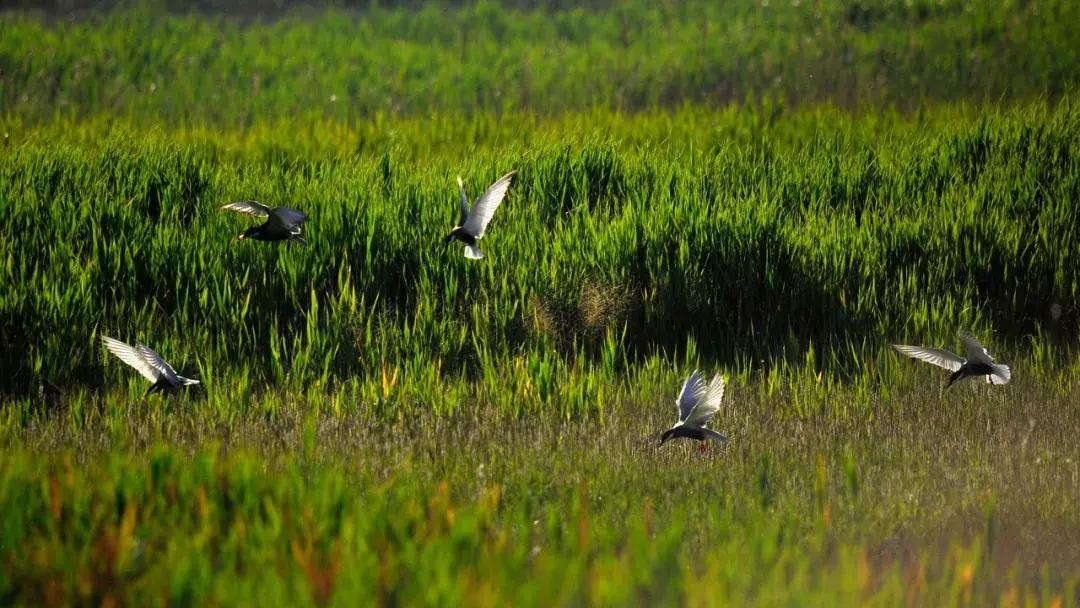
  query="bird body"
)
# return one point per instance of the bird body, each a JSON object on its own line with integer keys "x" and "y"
{"x": 282, "y": 223}
{"x": 698, "y": 402}
{"x": 977, "y": 363}
{"x": 149, "y": 364}
{"x": 474, "y": 220}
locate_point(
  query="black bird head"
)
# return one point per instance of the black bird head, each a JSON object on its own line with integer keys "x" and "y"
{"x": 254, "y": 231}
{"x": 667, "y": 435}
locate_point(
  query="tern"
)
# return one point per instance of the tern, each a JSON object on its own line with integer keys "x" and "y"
{"x": 977, "y": 363}
{"x": 282, "y": 223}
{"x": 698, "y": 402}
{"x": 474, "y": 221}
{"x": 149, "y": 364}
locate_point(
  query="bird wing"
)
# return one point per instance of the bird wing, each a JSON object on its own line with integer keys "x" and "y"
{"x": 464, "y": 201}
{"x": 287, "y": 218}
{"x": 938, "y": 356}
{"x": 249, "y": 207}
{"x": 133, "y": 357}
{"x": 484, "y": 207}
{"x": 158, "y": 363}
{"x": 693, "y": 389}
{"x": 708, "y": 405}
{"x": 975, "y": 351}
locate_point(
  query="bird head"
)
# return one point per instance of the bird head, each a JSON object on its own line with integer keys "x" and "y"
{"x": 667, "y": 435}
{"x": 249, "y": 232}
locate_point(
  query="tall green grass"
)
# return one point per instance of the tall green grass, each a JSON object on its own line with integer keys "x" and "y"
{"x": 810, "y": 239}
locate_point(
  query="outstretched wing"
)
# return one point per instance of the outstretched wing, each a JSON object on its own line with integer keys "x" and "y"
{"x": 485, "y": 206}
{"x": 708, "y": 405}
{"x": 289, "y": 219}
{"x": 938, "y": 356}
{"x": 133, "y": 357}
{"x": 464, "y": 202}
{"x": 154, "y": 359}
{"x": 975, "y": 351}
{"x": 249, "y": 207}
{"x": 693, "y": 389}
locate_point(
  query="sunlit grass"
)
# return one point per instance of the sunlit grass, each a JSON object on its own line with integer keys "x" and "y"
{"x": 381, "y": 421}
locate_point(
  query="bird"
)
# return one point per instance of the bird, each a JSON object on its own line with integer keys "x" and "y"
{"x": 698, "y": 402}
{"x": 977, "y": 363}
{"x": 282, "y": 223}
{"x": 149, "y": 364}
{"x": 474, "y": 221}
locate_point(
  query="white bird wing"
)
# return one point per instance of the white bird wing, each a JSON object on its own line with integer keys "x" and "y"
{"x": 158, "y": 363}
{"x": 975, "y": 351}
{"x": 464, "y": 201}
{"x": 133, "y": 357}
{"x": 484, "y": 207}
{"x": 708, "y": 405}
{"x": 693, "y": 389}
{"x": 249, "y": 207}
{"x": 938, "y": 356}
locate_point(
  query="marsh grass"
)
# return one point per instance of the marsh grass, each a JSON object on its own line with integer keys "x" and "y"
{"x": 384, "y": 422}
{"x": 768, "y": 250}
{"x": 941, "y": 497}
{"x": 159, "y": 60}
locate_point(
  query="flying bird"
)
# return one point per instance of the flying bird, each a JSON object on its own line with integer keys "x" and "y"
{"x": 282, "y": 223}
{"x": 149, "y": 364}
{"x": 698, "y": 402}
{"x": 977, "y": 363}
{"x": 474, "y": 221}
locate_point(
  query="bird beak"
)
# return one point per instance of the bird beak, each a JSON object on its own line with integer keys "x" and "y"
{"x": 240, "y": 237}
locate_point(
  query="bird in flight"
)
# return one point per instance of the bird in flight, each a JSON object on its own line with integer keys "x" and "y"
{"x": 282, "y": 223}
{"x": 698, "y": 402}
{"x": 149, "y": 364}
{"x": 474, "y": 221}
{"x": 977, "y": 363}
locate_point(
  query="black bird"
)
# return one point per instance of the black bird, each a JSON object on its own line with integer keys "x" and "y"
{"x": 697, "y": 404}
{"x": 149, "y": 364}
{"x": 474, "y": 222}
{"x": 282, "y": 223}
{"x": 978, "y": 361}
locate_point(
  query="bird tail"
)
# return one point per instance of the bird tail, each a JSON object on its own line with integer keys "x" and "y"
{"x": 714, "y": 435}
{"x": 473, "y": 252}
{"x": 1001, "y": 374}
